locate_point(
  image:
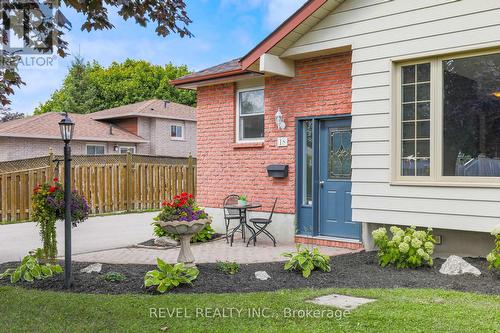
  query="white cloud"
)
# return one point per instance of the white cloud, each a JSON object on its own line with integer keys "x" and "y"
{"x": 278, "y": 11}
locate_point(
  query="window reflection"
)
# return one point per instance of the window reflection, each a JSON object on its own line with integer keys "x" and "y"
{"x": 307, "y": 162}
{"x": 471, "y": 116}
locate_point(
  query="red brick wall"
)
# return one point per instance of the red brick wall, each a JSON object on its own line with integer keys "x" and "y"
{"x": 322, "y": 86}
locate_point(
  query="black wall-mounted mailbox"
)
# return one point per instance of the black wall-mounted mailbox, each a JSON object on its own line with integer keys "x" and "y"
{"x": 277, "y": 170}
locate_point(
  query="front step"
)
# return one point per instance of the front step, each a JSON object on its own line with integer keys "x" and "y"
{"x": 324, "y": 241}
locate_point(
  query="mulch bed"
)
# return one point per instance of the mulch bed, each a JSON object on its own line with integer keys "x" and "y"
{"x": 150, "y": 243}
{"x": 357, "y": 270}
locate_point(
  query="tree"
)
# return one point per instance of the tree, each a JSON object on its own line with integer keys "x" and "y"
{"x": 89, "y": 87}
{"x": 40, "y": 25}
{"x": 7, "y": 114}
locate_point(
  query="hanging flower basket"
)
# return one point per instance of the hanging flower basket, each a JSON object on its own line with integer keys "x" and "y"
{"x": 49, "y": 206}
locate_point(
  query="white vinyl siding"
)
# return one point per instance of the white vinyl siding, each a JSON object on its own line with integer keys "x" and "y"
{"x": 380, "y": 33}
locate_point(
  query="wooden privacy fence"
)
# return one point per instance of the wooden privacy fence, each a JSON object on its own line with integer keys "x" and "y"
{"x": 110, "y": 183}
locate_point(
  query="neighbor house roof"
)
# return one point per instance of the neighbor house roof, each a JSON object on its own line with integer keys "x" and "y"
{"x": 46, "y": 126}
{"x": 284, "y": 36}
{"x": 154, "y": 108}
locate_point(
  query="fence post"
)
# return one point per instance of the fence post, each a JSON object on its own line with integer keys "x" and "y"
{"x": 52, "y": 172}
{"x": 129, "y": 177}
{"x": 190, "y": 174}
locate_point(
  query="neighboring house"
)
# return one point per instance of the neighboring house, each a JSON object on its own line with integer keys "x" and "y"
{"x": 392, "y": 114}
{"x": 153, "y": 127}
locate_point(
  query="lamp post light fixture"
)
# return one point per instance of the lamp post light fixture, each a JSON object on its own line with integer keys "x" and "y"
{"x": 67, "y": 127}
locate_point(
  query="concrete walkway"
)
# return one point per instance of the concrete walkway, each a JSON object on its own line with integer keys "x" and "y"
{"x": 95, "y": 234}
{"x": 204, "y": 253}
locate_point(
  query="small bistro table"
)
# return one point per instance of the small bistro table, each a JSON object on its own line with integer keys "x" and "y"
{"x": 242, "y": 209}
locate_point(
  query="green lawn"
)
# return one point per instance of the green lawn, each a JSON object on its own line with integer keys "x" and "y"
{"x": 397, "y": 310}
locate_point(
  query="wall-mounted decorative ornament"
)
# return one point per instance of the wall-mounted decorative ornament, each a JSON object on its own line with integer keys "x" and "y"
{"x": 280, "y": 121}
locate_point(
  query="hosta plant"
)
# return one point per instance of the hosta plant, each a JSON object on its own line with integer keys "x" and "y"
{"x": 306, "y": 260}
{"x": 227, "y": 267}
{"x": 31, "y": 269}
{"x": 409, "y": 248}
{"x": 494, "y": 257}
{"x": 169, "y": 276}
{"x": 114, "y": 277}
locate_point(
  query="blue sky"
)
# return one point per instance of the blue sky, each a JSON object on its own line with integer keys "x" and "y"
{"x": 223, "y": 29}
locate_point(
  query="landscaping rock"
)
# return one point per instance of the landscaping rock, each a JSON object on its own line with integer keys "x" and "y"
{"x": 165, "y": 241}
{"x": 262, "y": 275}
{"x": 97, "y": 267}
{"x": 341, "y": 301}
{"x": 455, "y": 265}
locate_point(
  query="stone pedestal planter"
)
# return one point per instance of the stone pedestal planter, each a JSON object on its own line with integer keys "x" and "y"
{"x": 185, "y": 230}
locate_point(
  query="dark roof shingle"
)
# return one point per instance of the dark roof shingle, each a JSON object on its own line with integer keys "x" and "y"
{"x": 46, "y": 126}
{"x": 221, "y": 68}
{"x": 152, "y": 108}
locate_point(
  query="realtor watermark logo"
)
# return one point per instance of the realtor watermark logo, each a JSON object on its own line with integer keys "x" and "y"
{"x": 31, "y": 32}
{"x": 257, "y": 312}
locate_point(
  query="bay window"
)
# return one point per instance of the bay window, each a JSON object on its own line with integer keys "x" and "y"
{"x": 250, "y": 114}
{"x": 448, "y": 119}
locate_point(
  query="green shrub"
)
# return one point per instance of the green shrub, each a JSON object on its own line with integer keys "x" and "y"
{"x": 408, "y": 248}
{"x": 305, "y": 261}
{"x": 169, "y": 276}
{"x": 30, "y": 269}
{"x": 114, "y": 277}
{"x": 494, "y": 257}
{"x": 227, "y": 267}
{"x": 158, "y": 231}
{"x": 204, "y": 235}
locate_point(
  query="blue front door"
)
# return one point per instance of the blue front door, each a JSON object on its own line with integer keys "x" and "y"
{"x": 334, "y": 178}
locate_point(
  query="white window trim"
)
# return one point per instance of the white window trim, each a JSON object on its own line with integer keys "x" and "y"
{"x": 176, "y": 138}
{"x": 127, "y": 147}
{"x": 94, "y": 145}
{"x": 436, "y": 150}
{"x": 238, "y": 140}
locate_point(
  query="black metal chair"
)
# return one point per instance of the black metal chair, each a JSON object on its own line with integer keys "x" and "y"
{"x": 261, "y": 224}
{"x": 230, "y": 214}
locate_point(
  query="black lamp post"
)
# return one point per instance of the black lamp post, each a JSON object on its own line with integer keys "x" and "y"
{"x": 67, "y": 126}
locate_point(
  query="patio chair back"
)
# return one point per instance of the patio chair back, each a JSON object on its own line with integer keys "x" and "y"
{"x": 231, "y": 199}
{"x": 272, "y": 211}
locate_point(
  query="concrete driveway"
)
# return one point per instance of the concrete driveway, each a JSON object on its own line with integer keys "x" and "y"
{"x": 95, "y": 234}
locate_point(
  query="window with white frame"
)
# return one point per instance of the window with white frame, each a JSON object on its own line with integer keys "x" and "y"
{"x": 95, "y": 149}
{"x": 127, "y": 149}
{"x": 177, "y": 132}
{"x": 448, "y": 119}
{"x": 250, "y": 114}
{"x": 415, "y": 112}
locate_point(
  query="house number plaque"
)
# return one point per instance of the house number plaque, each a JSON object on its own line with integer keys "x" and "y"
{"x": 282, "y": 142}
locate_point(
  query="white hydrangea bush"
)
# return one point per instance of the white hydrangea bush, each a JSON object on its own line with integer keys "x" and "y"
{"x": 494, "y": 257}
{"x": 409, "y": 248}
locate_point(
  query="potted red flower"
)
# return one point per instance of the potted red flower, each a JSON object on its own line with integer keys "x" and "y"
{"x": 183, "y": 217}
